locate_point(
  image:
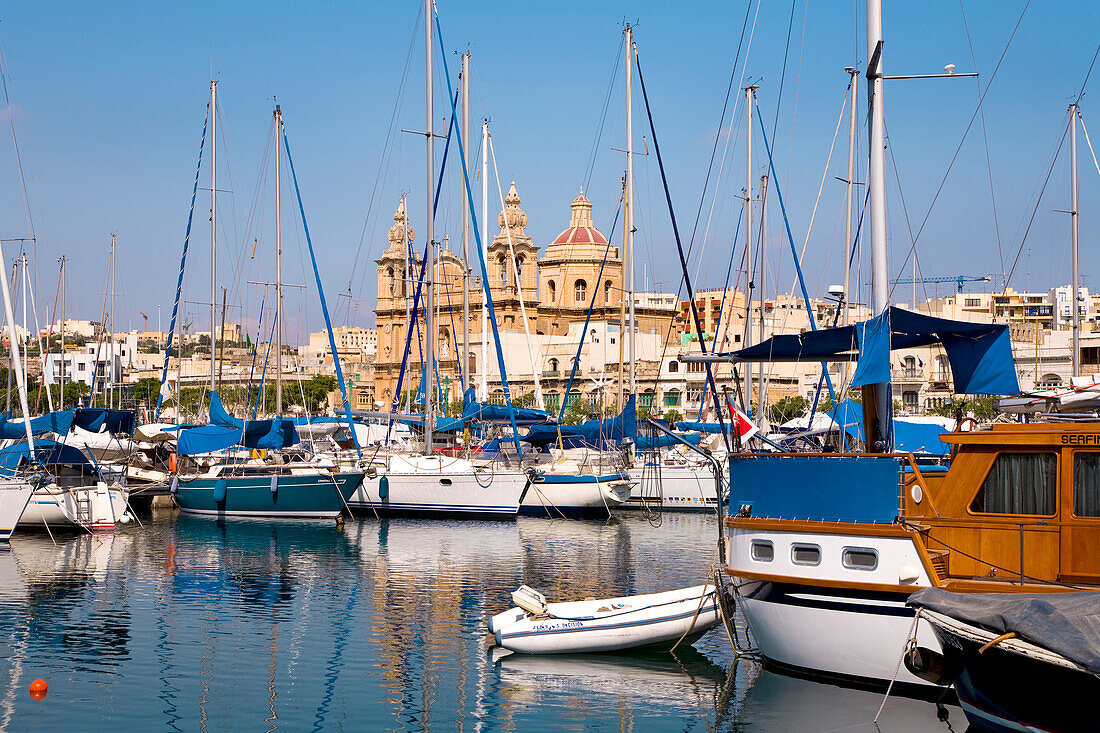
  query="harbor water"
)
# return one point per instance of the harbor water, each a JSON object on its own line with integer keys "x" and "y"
{"x": 190, "y": 624}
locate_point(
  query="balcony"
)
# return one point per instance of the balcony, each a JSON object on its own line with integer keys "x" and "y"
{"x": 549, "y": 374}
{"x": 908, "y": 375}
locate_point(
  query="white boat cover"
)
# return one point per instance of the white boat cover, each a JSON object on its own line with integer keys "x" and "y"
{"x": 1065, "y": 623}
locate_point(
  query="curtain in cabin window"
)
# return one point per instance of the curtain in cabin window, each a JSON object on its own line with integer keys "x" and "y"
{"x": 1086, "y": 485}
{"x": 1019, "y": 483}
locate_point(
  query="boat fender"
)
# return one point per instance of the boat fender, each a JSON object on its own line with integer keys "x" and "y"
{"x": 219, "y": 490}
{"x": 275, "y": 484}
{"x": 932, "y": 666}
{"x": 174, "y": 484}
{"x": 383, "y": 488}
{"x": 172, "y": 462}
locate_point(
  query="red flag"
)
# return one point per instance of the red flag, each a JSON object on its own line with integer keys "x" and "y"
{"x": 742, "y": 425}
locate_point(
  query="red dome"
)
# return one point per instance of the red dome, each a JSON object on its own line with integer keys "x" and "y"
{"x": 581, "y": 235}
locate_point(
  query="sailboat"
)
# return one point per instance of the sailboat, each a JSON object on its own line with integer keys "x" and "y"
{"x": 428, "y": 484}
{"x": 825, "y": 549}
{"x": 214, "y": 482}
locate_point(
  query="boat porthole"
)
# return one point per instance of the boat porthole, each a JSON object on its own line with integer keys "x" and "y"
{"x": 445, "y": 481}
{"x": 763, "y": 551}
{"x": 917, "y": 493}
{"x": 805, "y": 554}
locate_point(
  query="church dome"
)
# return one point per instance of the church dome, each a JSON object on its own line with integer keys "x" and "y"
{"x": 581, "y": 229}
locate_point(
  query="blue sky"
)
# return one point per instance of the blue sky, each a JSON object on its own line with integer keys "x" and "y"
{"x": 109, "y": 100}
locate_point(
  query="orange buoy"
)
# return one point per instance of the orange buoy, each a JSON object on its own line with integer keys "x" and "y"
{"x": 172, "y": 462}
{"x": 38, "y": 689}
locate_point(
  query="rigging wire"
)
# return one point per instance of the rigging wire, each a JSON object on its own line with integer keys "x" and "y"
{"x": 985, "y": 141}
{"x": 603, "y": 114}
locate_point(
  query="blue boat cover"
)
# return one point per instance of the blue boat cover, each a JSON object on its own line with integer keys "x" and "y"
{"x": 861, "y": 488}
{"x": 590, "y": 432}
{"x": 46, "y": 452}
{"x": 101, "y": 419}
{"x": 442, "y": 424}
{"x": 52, "y": 422}
{"x": 645, "y": 442}
{"x": 1064, "y": 623}
{"x": 980, "y": 354}
{"x": 269, "y": 434}
{"x": 910, "y": 436}
{"x": 474, "y": 411}
{"x": 700, "y": 427}
{"x": 219, "y": 416}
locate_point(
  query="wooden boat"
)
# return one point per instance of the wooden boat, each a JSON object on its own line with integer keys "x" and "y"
{"x": 1019, "y": 662}
{"x": 826, "y": 556}
{"x": 656, "y": 620}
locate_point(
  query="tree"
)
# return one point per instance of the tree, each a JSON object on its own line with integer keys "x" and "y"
{"x": 673, "y": 416}
{"x": 787, "y": 408}
{"x": 981, "y": 409}
{"x": 146, "y": 390}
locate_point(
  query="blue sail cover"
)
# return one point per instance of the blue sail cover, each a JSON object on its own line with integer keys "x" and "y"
{"x": 700, "y": 427}
{"x": 474, "y": 411}
{"x": 590, "y": 432}
{"x": 268, "y": 434}
{"x": 980, "y": 354}
{"x": 52, "y": 422}
{"x": 219, "y": 416}
{"x": 101, "y": 419}
{"x": 645, "y": 442}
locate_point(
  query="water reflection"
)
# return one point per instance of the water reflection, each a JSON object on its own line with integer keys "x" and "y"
{"x": 194, "y": 624}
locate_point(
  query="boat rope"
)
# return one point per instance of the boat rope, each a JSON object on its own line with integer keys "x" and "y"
{"x": 480, "y": 253}
{"x": 910, "y": 643}
{"x": 995, "y": 641}
{"x": 698, "y": 608}
{"x": 179, "y": 282}
{"x": 794, "y": 252}
{"x": 321, "y": 295}
{"x": 683, "y": 259}
{"x": 720, "y": 323}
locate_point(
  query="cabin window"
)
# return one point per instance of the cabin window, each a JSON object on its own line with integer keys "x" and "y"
{"x": 1086, "y": 485}
{"x": 860, "y": 558}
{"x": 805, "y": 554}
{"x": 763, "y": 551}
{"x": 1019, "y": 483}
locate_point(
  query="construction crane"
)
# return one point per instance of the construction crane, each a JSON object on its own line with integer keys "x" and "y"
{"x": 144, "y": 328}
{"x": 957, "y": 279}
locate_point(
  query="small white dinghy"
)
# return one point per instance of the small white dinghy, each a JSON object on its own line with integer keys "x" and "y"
{"x": 611, "y": 624}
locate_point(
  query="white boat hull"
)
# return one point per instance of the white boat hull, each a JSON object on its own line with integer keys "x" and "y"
{"x": 439, "y": 486}
{"x": 14, "y": 496}
{"x": 94, "y": 507}
{"x": 677, "y": 488}
{"x": 553, "y": 493}
{"x": 610, "y": 624}
{"x": 827, "y": 618}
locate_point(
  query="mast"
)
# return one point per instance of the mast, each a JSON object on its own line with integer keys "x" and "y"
{"x": 750, "y": 97}
{"x": 464, "y": 360}
{"x": 407, "y": 281}
{"x": 1073, "y": 230}
{"x": 214, "y": 230}
{"x": 622, "y": 311}
{"x": 24, "y": 288}
{"x": 628, "y": 212}
{"x": 278, "y": 265}
{"x": 878, "y": 428}
{"x": 762, "y": 418}
{"x": 20, "y": 378}
{"x": 485, "y": 254}
{"x": 429, "y": 268}
{"x": 62, "y": 260}
{"x": 849, "y": 190}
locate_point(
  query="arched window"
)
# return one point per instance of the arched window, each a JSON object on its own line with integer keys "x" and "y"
{"x": 607, "y": 292}
{"x": 393, "y": 284}
{"x": 910, "y": 400}
{"x": 551, "y": 290}
{"x": 444, "y": 344}
{"x": 553, "y": 365}
{"x": 503, "y": 271}
{"x": 674, "y": 366}
{"x": 580, "y": 291}
{"x": 519, "y": 269}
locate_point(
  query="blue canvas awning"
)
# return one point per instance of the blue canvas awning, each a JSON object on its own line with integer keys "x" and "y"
{"x": 910, "y": 436}
{"x": 980, "y": 354}
{"x": 645, "y": 442}
{"x": 700, "y": 427}
{"x": 46, "y": 452}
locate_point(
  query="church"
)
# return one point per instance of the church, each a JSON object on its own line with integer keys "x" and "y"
{"x": 547, "y": 297}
